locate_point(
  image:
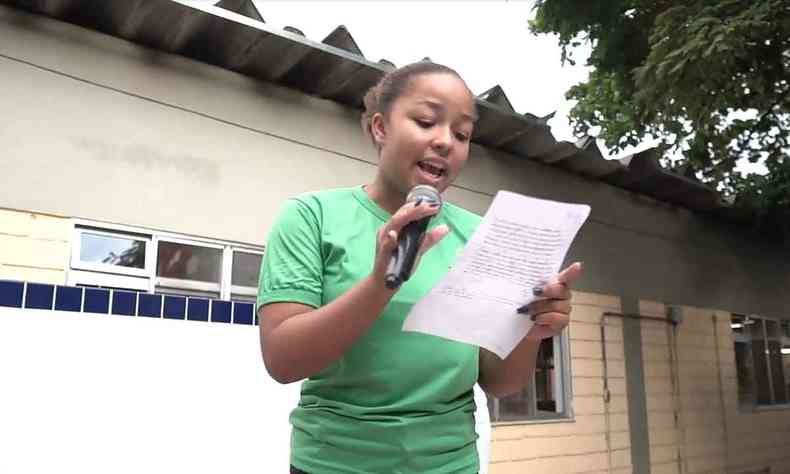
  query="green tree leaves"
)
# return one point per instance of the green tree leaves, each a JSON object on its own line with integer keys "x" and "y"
{"x": 710, "y": 79}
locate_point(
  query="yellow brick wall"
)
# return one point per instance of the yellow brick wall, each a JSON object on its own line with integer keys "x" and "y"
{"x": 33, "y": 247}
{"x": 710, "y": 435}
{"x": 597, "y": 439}
{"x": 663, "y": 434}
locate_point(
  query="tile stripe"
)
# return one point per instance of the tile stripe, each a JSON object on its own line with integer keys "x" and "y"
{"x": 88, "y": 300}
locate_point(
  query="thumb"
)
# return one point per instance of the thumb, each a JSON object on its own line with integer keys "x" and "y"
{"x": 433, "y": 237}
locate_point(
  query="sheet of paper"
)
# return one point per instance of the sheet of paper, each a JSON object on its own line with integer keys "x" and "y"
{"x": 520, "y": 244}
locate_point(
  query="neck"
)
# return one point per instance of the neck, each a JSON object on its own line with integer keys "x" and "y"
{"x": 386, "y": 196}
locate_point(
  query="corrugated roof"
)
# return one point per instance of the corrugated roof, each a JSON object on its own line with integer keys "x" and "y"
{"x": 232, "y": 34}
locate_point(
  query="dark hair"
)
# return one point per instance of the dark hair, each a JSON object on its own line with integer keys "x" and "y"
{"x": 394, "y": 84}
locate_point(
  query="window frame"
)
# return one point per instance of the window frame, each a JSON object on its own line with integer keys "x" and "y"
{"x": 243, "y": 291}
{"x": 184, "y": 283}
{"x": 743, "y": 338}
{"x": 76, "y": 261}
{"x": 562, "y": 386}
{"x": 146, "y": 279}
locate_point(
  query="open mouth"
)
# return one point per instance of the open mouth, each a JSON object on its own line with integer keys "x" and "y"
{"x": 431, "y": 169}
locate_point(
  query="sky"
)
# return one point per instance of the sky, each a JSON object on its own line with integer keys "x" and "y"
{"x": 487, "y": 42}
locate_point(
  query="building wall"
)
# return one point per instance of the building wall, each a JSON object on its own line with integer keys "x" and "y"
{"x": 659, "y": 363}
{"x": 692, "y": 374}
{"x": 597, "y": 438}
{"x": 104, "y": 129}
{"x": 34, "y": 246}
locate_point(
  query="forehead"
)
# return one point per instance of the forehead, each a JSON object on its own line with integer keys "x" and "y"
{"x": 440, "y": 91}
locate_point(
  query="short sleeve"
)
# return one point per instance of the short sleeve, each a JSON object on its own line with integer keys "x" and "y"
{"x": 292, "y": 269}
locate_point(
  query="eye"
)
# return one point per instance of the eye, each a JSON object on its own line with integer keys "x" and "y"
{"x": 462, "y": 137}
{"x": 424, "y": 123}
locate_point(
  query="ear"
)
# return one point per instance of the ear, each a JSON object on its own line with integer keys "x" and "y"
{"x": 378, "y": 128}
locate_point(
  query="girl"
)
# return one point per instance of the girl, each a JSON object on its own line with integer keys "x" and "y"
{"x": 376, "y": 399}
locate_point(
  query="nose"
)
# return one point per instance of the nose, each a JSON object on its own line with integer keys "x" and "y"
{"x": 442, "y": 141}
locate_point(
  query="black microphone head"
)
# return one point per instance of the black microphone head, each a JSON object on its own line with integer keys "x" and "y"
{"x": 424, "y": 193}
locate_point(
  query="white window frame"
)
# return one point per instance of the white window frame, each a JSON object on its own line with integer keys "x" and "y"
{"x": 113, "y": 276}
{"x": 78, "y": 263}
{"x": 107, "y": 280}
{"x": 183, "y": 283}
{"x": 562, "y": 389}
{"x": 249, "y": 291}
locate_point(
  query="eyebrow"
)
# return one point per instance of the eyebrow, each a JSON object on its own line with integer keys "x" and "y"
{"x": 439, "y": 107}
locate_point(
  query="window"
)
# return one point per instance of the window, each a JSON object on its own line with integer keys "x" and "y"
{"x": 762, "y": 360}
{"x": 244, "y": 274}
{"x": 545, "y": 397}
{"x": 182, "y": 265}
{"x": 130, "y": 258}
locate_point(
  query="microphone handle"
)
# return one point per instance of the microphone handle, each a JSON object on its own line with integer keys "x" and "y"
{"x": 405, "y": 254}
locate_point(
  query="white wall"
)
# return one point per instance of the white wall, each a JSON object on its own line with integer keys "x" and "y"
{"x": 85, "y": 393}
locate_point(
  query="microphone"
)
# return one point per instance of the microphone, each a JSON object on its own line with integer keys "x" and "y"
{"x": 410, "y": 238}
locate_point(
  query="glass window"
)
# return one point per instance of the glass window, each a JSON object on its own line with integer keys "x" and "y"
{"x": 246, "y": 268}
{"x": 189, "y": 262}
{"x": 762, "y": 358}
{"x": 785, "y": 352}
{"x": 774, "y": 353}
{"x": 118, "y": 251}
{"x": 745, "y": 374}
{"x": 737, "y": 323}
{"x": 135, "y": 259}
{"x": 542, "y": 398}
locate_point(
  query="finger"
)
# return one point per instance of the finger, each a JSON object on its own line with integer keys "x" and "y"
{"x": 558, "y": 291}
{"x": 570, "y": 274}
{"x": 388, "y": 242}
{"x": 556, "y": 321}
{"x": 433, "y": 237}
{"x": 549, "y": 306}
{"x": 408, "y": 213}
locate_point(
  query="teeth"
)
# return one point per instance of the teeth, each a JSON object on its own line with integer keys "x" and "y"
{"x": 434, "y": 170}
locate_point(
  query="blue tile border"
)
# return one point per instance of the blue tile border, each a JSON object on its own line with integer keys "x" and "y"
{"x": 11, "y": 293}
{"x": 68, "y": 298}
{"x": 97, "y": 300}
{"x": 39, "y": 296}
{"x": 197, "y": 309}
{"x": 175, "y": 307}
{"x": 124, "y": 303}
{"x": 149, "y": 305}
{"x": 89, "y": 300}
{"x": 242, "y": 312}
{"x": 220, "y": 311}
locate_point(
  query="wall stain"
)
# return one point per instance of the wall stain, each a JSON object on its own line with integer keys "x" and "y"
{"x": 151, "y": 159}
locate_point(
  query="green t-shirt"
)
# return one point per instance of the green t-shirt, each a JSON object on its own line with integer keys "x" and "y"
{"x": 396, "y": 402}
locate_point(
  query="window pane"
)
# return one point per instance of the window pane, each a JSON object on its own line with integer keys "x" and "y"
{"x": 119, "y": 251}
{"x": 759, "y": 349}
{"x": 745, "y": 373}
{"x": 514, "y": 407}
{"x": 785, "y": 351}
{"x": 545, "y": 398}
{"x": 246, "y": 267}
{"x": 786, "y": 328}
{"x": 519, "y": 406}
{"x": 775, "y": 360}
{"x": 189, "y": 262}
{"x": 736, "y": 323}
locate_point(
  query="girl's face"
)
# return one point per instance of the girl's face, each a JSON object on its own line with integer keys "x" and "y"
{"x": 425, "y": 137}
